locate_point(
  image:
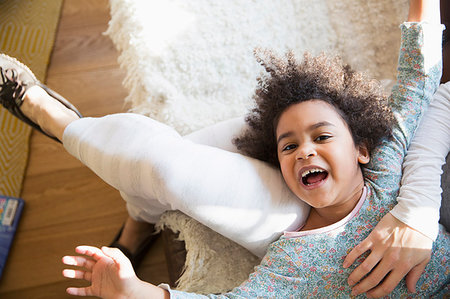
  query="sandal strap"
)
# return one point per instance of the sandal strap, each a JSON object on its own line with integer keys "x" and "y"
{"x": 11, "y": 88}
{"x": 60, "y": 99}
{"x": 12, "y": 91}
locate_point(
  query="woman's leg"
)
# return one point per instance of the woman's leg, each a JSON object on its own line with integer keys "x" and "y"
{"x": 156, "y": 169}
{"x": 242, "y": 198}
{"x": 52, "y": 116}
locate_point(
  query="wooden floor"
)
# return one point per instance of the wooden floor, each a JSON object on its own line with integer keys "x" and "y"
{"x": 66, "y": 204}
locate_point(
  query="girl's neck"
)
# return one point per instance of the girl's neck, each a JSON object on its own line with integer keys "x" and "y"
{"x": 321, "y": 217}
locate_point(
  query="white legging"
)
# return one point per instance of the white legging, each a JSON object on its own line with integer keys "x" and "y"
{"x": 201, "y": 175}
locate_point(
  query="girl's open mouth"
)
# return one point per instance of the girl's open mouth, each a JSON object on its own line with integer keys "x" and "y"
{"x": 313, "y": 177}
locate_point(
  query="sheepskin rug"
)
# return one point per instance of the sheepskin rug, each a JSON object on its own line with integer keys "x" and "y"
{"x": 190, "y": 64}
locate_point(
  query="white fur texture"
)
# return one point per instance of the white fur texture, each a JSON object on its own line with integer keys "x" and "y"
{"x": 214, "y": 264}
{"x": 190, "y": 64}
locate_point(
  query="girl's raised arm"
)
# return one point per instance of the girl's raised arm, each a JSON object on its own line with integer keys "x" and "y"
{"x": 397, "y": 250}
{"x": 424, "y": 11}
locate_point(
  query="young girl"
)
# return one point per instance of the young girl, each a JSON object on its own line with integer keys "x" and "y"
{"x": 343, "y": 201}
{"x": 340, "y": 150}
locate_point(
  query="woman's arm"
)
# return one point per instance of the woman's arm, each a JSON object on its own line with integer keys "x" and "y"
{"x": 420, "y": 195}
{"x": 396, "y": 249}
{"x": 406, "y": 239}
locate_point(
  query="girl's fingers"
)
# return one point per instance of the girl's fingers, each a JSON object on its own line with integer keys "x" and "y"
{"x": 79, "y": 291}
{"x": 91, "y": 251}
{"x": 77, "y": 274}
{"x": 117, "y": 255}
{"x": 78, "y": 261}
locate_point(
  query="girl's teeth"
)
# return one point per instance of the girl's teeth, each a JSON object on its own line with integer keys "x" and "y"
{"x": 311, "y": 171}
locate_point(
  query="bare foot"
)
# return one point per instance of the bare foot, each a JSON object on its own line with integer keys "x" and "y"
{"x": 134, "y": 233}
{"x": 52, "y": 116}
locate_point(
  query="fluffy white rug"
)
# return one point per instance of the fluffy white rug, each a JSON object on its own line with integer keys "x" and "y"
{"x": 214, "y": 264}
{"x": 190, "y": 64}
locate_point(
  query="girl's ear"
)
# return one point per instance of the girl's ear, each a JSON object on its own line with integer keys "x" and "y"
{"x": 363, "y": 156}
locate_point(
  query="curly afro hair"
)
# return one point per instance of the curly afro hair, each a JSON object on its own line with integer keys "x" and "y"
{"x": 359, "y": 100}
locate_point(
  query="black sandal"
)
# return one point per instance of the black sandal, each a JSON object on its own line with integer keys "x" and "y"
{"x": 15, "y": 79}
{"x": 141, "y": 251}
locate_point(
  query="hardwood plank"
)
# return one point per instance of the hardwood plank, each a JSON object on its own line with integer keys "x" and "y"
{"x": 66, "y": 203}
{"x": 83, "y": 44}
{"x": 86, "y": 49}
{"x": 50, "y": 290}
{"x": 96, "y": 93}
{"x": 84, "y": 13}
{"x": 56, "y": 289}
{"x": 60, "y": 215}
{"x": 47, "y": 157}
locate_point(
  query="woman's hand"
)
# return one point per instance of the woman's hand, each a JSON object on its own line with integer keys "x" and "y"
{"x": 108, "y": 270}
{"x": 396, "y": 250}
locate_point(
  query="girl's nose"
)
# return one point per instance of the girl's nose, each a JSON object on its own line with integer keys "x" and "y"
{"x": 305, "y": 152}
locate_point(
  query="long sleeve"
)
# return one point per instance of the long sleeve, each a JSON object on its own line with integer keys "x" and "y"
{"x": 419, "y": 72}
{"x": 420, "y": 194}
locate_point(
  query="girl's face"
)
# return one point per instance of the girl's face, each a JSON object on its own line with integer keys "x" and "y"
{"x": 318, "y": 158}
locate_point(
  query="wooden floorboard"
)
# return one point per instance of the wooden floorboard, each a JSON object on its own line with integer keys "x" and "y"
{"x": 66, "y": 203}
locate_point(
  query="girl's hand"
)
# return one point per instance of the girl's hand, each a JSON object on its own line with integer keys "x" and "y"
{"x": 108, "y": 270}
{"x": 396, "y": 250}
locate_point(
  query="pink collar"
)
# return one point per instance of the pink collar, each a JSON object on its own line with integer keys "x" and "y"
{"x": 332, "y": 226}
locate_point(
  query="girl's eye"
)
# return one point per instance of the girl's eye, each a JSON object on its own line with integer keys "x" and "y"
{"x": 323, "y": 137}
{"x": 289, "y": 147}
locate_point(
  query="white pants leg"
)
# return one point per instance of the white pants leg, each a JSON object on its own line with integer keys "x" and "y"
{"x": 156, "y": 170}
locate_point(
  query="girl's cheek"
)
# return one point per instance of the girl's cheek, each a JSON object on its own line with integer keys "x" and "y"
{"x": 286, "y": 172}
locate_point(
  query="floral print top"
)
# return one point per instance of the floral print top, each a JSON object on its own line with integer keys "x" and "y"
{"x": 308, "y": 264}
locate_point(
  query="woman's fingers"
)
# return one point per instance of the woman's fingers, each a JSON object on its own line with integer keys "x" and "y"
{"x": 396, "y": 250}
{"x": 413, "y": 276}
{"x": 394, "y": 265}
{"x": 357, "y": 251}
{"x": 387, "y": 286}
{"x": 369, "y": 263}
{"x": 385, "y": 272}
